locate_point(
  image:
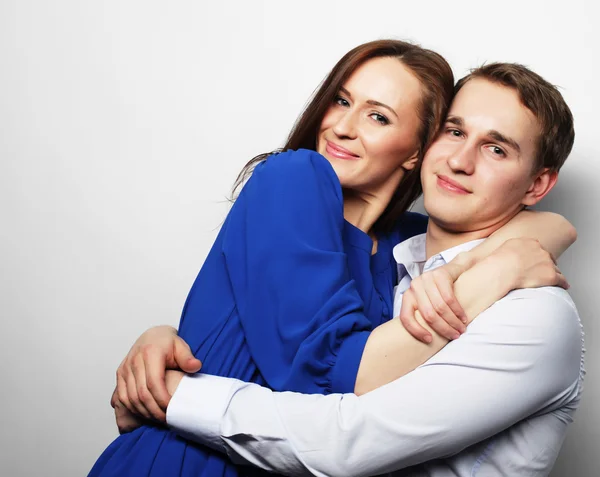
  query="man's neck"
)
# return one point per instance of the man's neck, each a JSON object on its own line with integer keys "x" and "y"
{"x": 440, "y": 238}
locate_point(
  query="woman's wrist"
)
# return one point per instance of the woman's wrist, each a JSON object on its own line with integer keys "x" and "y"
{"x": 504, "y": 271}
{"x": 486, "y": 282}
{"x": 461, "y": 263}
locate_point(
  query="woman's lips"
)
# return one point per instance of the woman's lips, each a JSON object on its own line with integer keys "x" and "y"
{"x": 450, "y": 185}
{"x": 339, "y": 152}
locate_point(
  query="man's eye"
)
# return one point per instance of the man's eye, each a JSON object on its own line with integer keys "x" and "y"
{"x": 454, "y": 132}
{"x": 380, "y": 118}
{"x": 498, "y": 151}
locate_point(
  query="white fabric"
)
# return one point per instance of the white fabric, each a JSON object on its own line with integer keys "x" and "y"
{"x": 495, "y": 402}
{"x": 411, "y": 258}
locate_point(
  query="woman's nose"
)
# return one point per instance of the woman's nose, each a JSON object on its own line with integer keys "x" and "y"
{"x": 345, "y": 126}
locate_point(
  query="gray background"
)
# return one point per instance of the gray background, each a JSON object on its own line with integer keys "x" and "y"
{"x": 122, "y": 127}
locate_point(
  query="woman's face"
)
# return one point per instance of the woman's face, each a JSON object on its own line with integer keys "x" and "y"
{"x": 369, "y": 133}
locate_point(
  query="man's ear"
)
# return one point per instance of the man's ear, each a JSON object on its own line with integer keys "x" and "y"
{"x": 543, "y": 183}
{"x": 411, "y": 162}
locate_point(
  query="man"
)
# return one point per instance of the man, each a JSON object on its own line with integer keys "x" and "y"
{"x": 498, "y": 400}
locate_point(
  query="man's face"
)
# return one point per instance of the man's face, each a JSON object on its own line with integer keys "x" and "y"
{"x": 478, "y": 172}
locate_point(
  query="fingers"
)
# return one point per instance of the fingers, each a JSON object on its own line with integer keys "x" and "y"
{"x": 155, "y": 378}
{"x": 145, "y": 403}
{"x": 114, "y": 399}
{"x": 442, "y": 311}
{"x": 126, "y": 421}
{"x": 441, "y": 325}
{"x": 408, "y": 320}
{"x": 141, "y": 384}
{"x": 184, "y": 358}
{"x": 561, "y": 280}
{"x": 136, "y": 405}
{"x": 122, "y": 393}
{"x": 446, "y": 292}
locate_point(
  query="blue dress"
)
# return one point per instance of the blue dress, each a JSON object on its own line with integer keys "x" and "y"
{"x": 286, "y": 298}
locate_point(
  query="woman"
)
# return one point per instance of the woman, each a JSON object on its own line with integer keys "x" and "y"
{"x": 302, "y": 269}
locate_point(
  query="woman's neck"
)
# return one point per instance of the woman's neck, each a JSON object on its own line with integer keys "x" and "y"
{"x": 363, "y": 208}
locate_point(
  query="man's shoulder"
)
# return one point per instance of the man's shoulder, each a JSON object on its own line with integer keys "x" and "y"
{"x": 545, "y": 305}
{"x": 550, "y": 309}
{"x": 543, "y": 323}
{"x": 554, "y": 294}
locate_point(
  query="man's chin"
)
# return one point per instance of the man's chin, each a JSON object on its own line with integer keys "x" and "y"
{"x": 449, "y": 221}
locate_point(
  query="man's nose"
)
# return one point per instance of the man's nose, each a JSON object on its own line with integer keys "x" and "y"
{"x": 346, "y": 125}
{"x": 462, "y": 160}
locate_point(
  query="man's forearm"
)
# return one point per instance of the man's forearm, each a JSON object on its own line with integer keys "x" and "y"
{"x": 469, "y": 391}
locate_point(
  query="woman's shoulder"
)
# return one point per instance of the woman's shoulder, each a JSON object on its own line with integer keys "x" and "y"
{"x": 293, "y": 171}
{"x": 297, "y": 164}
{"x": 298, "y": 176}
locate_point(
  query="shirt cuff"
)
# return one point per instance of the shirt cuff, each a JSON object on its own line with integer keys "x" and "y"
{"x": 197, "y": 406}
{"x": 343, "y": 374}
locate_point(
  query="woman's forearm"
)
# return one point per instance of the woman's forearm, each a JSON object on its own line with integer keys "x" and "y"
{"x": 553, "y": 231}
{"x": 391, "y": 352}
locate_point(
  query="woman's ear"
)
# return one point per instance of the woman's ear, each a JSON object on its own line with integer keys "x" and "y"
{"x": 542, "y": 184}
{"x": 411, "y": 162}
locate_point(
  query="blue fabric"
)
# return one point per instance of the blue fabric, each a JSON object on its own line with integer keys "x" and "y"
{"x": 286, "y": 298}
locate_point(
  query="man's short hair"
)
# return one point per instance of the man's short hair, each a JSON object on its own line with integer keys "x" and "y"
{"x": 543, "y": 100}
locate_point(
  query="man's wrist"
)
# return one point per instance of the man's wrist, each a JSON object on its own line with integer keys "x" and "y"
{"x": 197, "y": 408}
{"x": 172, "y": 379}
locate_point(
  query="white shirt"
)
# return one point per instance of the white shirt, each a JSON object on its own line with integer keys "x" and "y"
{"x": 495, "y": 402}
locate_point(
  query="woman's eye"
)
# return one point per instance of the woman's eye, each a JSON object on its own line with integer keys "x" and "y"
{"x": 341, "y": 101}
{"x": 380, "y": 118}
{"x": 454, "y": 132}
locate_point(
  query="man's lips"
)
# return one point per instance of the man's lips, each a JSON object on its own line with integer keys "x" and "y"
{"x": 339, "y": 152}
{"x": 451, "y": 185}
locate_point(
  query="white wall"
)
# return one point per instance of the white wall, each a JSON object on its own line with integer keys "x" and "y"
{"x": 122, "y": 127}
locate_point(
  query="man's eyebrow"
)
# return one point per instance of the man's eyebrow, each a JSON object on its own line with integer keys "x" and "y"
{"x": 371, "y": 102}
{"x": 495, "y": 135}
{"x": 456, "y": 120}
{"x": 498, "y": 136}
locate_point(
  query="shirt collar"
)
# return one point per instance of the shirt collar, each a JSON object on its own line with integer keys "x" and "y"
{"x": 410, "y": 255}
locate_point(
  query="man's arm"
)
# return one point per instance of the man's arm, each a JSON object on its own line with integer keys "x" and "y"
{"x": 521, "y": 356}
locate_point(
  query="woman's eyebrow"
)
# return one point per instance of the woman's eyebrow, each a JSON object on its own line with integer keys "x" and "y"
{"x": 371, "y": 102}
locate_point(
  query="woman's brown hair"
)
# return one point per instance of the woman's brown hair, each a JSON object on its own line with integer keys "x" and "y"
{"x": 437, "y": 83}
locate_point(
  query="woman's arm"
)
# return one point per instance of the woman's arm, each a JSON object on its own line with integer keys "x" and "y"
{"x": 485, "y": 274}
{"x": 553, "y": 231}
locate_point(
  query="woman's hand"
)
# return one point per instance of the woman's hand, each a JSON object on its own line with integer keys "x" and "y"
{"x": 518, "y": 262}
{"x": 432, "y": 294}
{"x": 141, "y": 387}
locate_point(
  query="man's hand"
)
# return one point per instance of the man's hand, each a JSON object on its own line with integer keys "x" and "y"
{"x": 141, "y": 387}
{"x": 126, "y": 421}
{"x": 172, "y": 380}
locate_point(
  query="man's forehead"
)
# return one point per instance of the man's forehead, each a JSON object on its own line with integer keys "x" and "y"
{"x": 486, "y": 106}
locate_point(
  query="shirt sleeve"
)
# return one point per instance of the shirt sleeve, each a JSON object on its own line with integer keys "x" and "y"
{"x": 520, "y": 357}
{"x": 300, "y": 311}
